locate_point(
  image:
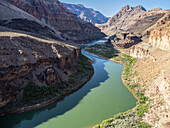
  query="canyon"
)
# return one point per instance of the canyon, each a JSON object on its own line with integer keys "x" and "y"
{"x": 40, "y": 47}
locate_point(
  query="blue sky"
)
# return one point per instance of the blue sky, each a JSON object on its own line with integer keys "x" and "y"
{"x": 111, "y": 7}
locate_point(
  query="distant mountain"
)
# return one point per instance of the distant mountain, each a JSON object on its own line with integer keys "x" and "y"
{"x": 136, "y": 19}
{"x": 123, "y": 20}
{"x": 87, "y": 14}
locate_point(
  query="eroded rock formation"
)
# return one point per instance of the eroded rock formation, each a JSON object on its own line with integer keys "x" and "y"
{"x": 52, "y": 12}
{"x": 25, "y": 59}
{"x": 125, "y": 40}
{"x": 160, "y": 36}
{"x": 142, "y": 51}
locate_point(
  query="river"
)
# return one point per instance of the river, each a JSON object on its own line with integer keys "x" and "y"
{"x": 100, "y": 98}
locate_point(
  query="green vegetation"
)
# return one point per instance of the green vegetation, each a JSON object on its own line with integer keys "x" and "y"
{"x": 136, "y": 88}
{"x": 83, "y": 64}
{"x": 123, "y": 120}
{"x": 73, "y": 79}
{"x": 104, "y": 49}
{"x": 32, "y": 93}
{"x": 128, "y": 62}
{"x": 141, "y": 98}
{"x": 142, "y": 109}
{"x": 144, "y": 125}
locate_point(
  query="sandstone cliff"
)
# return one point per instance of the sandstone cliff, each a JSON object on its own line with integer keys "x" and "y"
{"x": 160, "y": 36}
{"x": 153, "y": 68}
{"x": 153, "y": 72}
{"x": 55, "y": 14}
{"x": 122, "y": 20}
{"x": 87, "y": 14}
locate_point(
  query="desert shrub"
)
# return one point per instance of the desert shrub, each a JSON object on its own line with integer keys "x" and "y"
{"x": 33, "y": 92}
{"x": 97, "y": 126}
{"x": 144, "y": 125}
{"x": 83, "y": 64}
{"x": 142, "y": 109}
{"x": 72, "y": 80}
{"x": 143, "y": 99}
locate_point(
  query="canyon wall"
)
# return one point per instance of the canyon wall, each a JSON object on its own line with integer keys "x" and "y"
{"x": 160, "y": 36}
{"x": 153, "y": 68}
{"x": 153, "y": 53}
{"x": 142, "y": 51}
{"x": 25, "y": 59}
{"x": 55, "y": 14}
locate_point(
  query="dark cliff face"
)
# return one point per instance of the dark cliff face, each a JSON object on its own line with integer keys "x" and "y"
{"x": 25, "y": 60}
{"x": 15, "y": 19}
{"x": 55, "y": 14}
{"x": 87, "y": 14}
{"x": 28, "y": 51}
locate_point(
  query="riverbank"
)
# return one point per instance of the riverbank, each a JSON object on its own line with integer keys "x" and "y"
{"x": 85, "y": 72}
{"x": 133, "y": 117}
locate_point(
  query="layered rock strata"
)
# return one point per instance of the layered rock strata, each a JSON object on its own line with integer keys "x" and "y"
{"x": 25, "y": 59}
{"x": 160, "y": 37}
{"x": 125, "y": 40}
{"x": 52, "y": 12}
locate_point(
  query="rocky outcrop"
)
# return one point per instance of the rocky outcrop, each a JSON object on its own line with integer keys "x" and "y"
{"x": 86, "y": 14}
{"x": 15, "y": 19}
{"x": 141, "y": 51}
{"x": 25, "y": 59}
{"x": 133, "y": 19}
{"x": 125, "y": 40}
{"x": 160, "y": 36}
{"x": 52, "y": 12}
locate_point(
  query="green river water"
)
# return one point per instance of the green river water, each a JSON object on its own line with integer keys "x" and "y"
{"x": 100, "y": 98}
